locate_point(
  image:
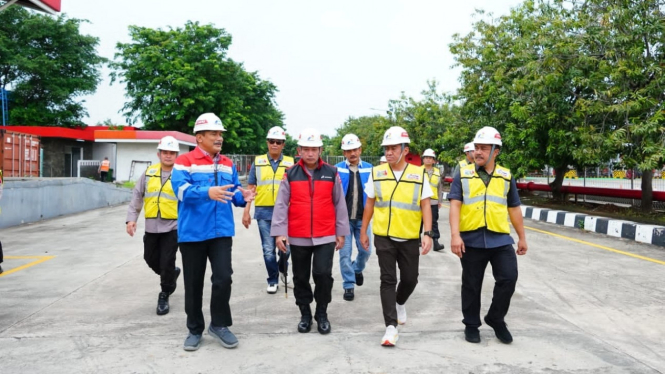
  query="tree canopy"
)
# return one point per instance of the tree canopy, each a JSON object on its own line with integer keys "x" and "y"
{"x": 172, "y": 76}
{"x": 48, "y": 64}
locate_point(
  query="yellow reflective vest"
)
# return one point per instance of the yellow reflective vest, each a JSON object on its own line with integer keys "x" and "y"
{"x": 485, "y": 206}
{"x": 159, "y": 198}
{"x": 434, "y": 181}
{"x": 463, "y": 163}
{"x": 267, "y": 180}
{"x": 397, "y": 211}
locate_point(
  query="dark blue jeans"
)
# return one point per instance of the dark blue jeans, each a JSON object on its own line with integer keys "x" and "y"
{"x": 504, "y": 268}
{"x": 269, "y": 247}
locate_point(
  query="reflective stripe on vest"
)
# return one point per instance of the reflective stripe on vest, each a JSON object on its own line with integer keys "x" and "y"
{"x": 397, "y": 211}
{"x": 434, "y": 182}
{"x": 485, "y": 206}
{"x": 267, "y": 181}
{"x": 159, "y": 198}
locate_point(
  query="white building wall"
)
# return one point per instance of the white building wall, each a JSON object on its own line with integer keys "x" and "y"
{"x": 128, "y": 152}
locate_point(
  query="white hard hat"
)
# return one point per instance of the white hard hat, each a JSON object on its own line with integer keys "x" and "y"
{"x": 169, "y": 143}
{"x": 469, "y": 147}
{"x": 395, "y": 135}
{"x": 276, "y": 133}
{"x": 383, "y": 159}
{"x": 488, "y": 135}
{"x": 350, "y": 141}
{"x": 310, "y": 138}
{"x": 208, "y": 121}
{"x": 429, "y": 152}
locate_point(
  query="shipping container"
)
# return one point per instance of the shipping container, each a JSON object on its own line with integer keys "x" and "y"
{"x": 19, "y": 154}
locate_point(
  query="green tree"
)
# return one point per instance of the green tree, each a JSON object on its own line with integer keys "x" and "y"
{"x": 425, "y": 120}
{"x": 48, "y": 64}
{"x": 627, "y": 38}
{"x": 528, "y": 75}
{"x": 369, "y": 130}
{"x": 174, "y": 75}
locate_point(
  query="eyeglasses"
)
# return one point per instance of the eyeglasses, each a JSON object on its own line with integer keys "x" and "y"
{"x": 273, "y": 141}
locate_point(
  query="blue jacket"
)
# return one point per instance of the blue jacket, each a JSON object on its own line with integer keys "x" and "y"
{"x": 365, "y": 170}
{"x": 199, "y": 217}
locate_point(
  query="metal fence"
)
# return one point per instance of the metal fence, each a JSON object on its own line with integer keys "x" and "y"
{"x": 243, "y": 163}
{"x": 604, "y": 177}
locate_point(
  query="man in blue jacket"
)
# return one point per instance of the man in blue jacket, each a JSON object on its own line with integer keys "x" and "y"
{"x": 205, "y": 181}
{"x": 354, "y": 174}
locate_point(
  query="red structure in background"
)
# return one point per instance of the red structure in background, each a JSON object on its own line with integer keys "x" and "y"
{"x": 48, "y": 6}
{"x": 414, "y": 159}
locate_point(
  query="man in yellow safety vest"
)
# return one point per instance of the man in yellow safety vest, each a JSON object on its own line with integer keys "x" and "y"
{"x": 398, "y": 198}
{"x": 264, "y": 178}
{"x": 483, "y": 196}
{"x": 154, "y": 193}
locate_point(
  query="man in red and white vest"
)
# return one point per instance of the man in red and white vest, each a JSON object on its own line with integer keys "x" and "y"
{"x": 310, "y": 214}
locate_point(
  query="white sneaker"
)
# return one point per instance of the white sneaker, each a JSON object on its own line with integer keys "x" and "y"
{"x": 401, "y": 314}
{"x": 390, "y": 337}
{"x": 272, "y": 288}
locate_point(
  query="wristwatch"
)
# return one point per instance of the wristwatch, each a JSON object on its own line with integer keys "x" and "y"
{"x": 429, "y": 233}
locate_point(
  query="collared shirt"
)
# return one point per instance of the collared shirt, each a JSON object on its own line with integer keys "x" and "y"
{"x": 263, "y": 212}
{"x": 280, "y": 219}
{"x": 152, "y": 225}
{"x": 355, "y": 192}
{"x": 483, "y": 238}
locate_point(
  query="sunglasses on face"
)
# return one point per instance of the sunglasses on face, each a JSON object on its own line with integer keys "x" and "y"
{"x": 273, "y": 141}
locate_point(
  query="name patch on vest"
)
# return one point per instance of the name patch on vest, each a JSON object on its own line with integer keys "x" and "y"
{"x": 502, "y": 173}
{"x": 262, "y": 161}
{"x": 413, "y": 177}
{"x": 287, "y": 163}
{"x": 382, "y": 173}
{"x": 152, "y": 171}
{"x": 468, "y": 173}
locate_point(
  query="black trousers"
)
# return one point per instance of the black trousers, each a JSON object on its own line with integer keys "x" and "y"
{"x": 435, "y": 221}
{"x": 195, "y": 256}
{"x": 391, "y": 254}
{"x": 504, "y": 268}
{"x": 159, "y": 251}
{"x": 1, "y": 256}
{"x": 318, "y": 261}
{"x": 102, "y": 176}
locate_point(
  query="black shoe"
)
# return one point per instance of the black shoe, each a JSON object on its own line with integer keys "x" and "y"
{"x": 348, "y": 294}
{"x": 471, "y": 334}
{"x": 175, "y": 280}
{"x": 323, "y": 325}
{"x": 321, "y": 317}
{"x": 305, "y": 319}
{"x": 360, "y": 279}
{"x": 500, "y": 330}
{"x": 163, "y": 303}
{"x": 1, "y": 271}
{"x": 437, "y": 246}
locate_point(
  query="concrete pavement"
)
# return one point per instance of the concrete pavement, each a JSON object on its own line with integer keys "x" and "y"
{"x": 579, "y": 307}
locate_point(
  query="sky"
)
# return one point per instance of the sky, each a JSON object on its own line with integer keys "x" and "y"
{"x": 330, "y": 60}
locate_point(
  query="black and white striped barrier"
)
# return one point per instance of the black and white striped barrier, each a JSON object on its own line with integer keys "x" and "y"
{"x": 650, "y": 234}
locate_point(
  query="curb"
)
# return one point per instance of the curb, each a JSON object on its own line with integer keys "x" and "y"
{"x": 649, "y": 234}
